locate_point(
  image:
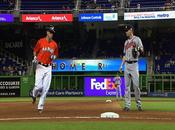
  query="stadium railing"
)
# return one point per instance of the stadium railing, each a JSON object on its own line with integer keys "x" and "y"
{"x": 145, "y": 9}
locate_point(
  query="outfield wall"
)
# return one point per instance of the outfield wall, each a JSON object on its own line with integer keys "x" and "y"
{"x": 74, "y": 85}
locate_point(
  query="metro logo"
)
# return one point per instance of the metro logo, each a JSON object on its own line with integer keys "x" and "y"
{"x": 107, "y": 84}
{"x": 47, "y": 17}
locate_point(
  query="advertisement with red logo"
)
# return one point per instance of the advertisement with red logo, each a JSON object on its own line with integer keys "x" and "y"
{"x": 47, "y": 17}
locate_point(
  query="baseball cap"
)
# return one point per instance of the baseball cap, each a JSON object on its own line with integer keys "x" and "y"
{"x": 128, "y": 27}
{"x": 50, "y": 28}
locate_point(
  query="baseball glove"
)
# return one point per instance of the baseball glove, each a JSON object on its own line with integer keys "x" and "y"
{"x": 135, "y": 52}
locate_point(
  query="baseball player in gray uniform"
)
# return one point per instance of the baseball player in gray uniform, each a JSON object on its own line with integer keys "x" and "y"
{"x": 132, "y": 49}
{"x": 117, "y": 81}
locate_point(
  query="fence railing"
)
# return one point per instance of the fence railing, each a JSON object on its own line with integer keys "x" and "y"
{"x": 109, "y": 10}
{"x": 161, "y": 83}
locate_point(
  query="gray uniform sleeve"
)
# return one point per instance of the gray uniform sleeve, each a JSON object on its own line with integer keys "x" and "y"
{"x": 124, "y": 51}
{"x": 139, "y": 43}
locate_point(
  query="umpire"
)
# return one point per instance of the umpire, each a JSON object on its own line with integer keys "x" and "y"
{"x": 132, "y": 49}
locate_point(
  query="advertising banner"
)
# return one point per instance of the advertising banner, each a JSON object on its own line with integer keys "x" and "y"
{"x": 10, "y": 87}
{"x": 6, "y": 18}
{"x": 47, "y": 18}
{"x": 102, "y": 86}
{"x": 166, "y": 94}
{"x": 149, "y": 15}
{"x": 90, "y": 65}
{"x": 98, "y": 17}
{"x": 63, "y": 93}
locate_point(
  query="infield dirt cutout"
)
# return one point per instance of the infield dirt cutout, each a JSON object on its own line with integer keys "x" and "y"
{"x": 77, "y": 111}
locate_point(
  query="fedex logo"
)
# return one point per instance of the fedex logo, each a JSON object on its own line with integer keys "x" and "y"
{"x": 103, "y": 86}
{"x": 106, "y": 84}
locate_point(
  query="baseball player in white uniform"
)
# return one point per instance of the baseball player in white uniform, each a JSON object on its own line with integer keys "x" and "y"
{"x": 132, "y": 49}
{"x": 45, "y": 52}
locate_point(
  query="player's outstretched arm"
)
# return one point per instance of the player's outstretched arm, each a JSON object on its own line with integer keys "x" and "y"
{"x": 121, "y": 66}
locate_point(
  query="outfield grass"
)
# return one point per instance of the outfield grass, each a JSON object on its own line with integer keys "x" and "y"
{"x": 86, "y": 126}
{"x": 153, "y": 104}
{"x": 28, "y": 99}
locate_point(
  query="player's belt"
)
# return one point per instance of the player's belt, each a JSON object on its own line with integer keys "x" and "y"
{"x": 131, "y": 62}
{"x": 45, "y": 65}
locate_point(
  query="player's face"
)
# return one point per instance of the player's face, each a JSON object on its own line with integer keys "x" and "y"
{"x": 129, "y": 32}
{"x": 50, "y": 35}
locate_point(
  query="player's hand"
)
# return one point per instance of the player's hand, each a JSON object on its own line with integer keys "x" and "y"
{"x": 120, "y": 70}
{"x": 35, "y": 60}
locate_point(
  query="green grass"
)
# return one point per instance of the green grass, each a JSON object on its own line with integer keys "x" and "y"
{"x": 159, "y": 104}
{"x": 27, "y": 99}
{"x": 86, "y": 126}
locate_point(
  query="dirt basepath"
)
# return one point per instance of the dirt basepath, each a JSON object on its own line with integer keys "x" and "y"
{"x": 77, "y": 110}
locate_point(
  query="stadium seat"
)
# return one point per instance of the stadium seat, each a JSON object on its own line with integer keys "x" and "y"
{"x": 147, "y": 3}
{"x": 47, "y": 4}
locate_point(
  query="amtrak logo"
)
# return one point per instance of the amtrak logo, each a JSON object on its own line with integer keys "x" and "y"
{"x": 48, "y": 49}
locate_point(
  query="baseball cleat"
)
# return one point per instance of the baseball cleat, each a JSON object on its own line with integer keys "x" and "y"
{"x": 139, "y": 109}
{"x": 40, "y": 111}
{"x": 126, "y": 109}
{"x": 33, "y": 100}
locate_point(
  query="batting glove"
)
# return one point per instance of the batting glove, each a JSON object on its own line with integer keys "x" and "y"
{"x": 120, "y": 70}
{"x": 35, "y": 59}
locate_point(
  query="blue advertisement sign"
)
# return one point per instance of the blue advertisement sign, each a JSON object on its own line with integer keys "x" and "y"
{"x": 91, "y": 17}
{"x": 6, "y": 18}
{"x": 98, "y": 17}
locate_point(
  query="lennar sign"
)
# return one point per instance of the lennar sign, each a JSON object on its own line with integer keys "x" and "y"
{"x": 47, "y": 17}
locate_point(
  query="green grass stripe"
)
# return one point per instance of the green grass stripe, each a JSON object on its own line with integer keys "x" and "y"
{"x": 153, "y": 106}
{"x": 24, "y": 99}
{"x": 86, "y": 126}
